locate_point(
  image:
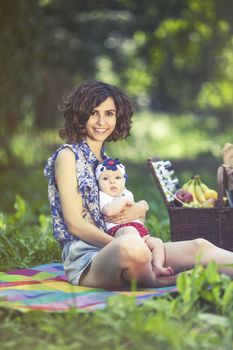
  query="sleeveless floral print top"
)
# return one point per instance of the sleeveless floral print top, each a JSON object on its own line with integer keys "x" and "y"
{"x": 86, "y": 163}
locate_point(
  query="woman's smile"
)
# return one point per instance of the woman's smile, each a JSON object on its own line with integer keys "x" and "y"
{"x": 101, "y": 131}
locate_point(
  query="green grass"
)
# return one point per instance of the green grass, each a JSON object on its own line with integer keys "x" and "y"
{"x": 199, "y": 317}
{"x": 26, "y": 238}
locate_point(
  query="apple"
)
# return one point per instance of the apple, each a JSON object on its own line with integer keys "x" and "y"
{"x": 183, "y": 196}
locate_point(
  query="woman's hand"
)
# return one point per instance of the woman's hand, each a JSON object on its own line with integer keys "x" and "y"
{"x": 130, "y": 213}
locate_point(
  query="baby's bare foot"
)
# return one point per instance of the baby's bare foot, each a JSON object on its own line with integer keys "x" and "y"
{"x": 163, "y": 271}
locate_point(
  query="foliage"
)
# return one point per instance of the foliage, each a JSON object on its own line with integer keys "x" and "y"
{"x": 19, "y": 66}
{"x": 205, "y": 288}
{"x": 166, "y": 135}
{"x": 26, "y": 239}
{"x": 171, "y": 56}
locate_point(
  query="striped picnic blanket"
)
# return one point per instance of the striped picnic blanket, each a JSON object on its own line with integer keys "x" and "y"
{"x": 45, "y": 287}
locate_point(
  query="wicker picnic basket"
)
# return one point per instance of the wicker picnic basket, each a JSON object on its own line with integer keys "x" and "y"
{"x": 214, "y": 224}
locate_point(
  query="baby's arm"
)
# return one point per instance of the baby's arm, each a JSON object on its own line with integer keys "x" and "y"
{"x": 131, "y": 211}
{"x": 115, "y": 206}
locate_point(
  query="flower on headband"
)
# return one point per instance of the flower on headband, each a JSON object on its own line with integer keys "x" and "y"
{"x": 110, "y": 164}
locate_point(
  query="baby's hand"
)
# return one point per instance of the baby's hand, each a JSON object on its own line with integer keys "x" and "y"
{"x": 129, "y": 203}
{"x": 144, "y": 204}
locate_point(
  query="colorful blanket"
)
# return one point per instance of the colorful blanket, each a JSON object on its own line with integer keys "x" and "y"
{"x": 45, "y": 287}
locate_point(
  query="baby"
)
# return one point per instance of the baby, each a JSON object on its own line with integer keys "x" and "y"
{"x": 114, "y": 197}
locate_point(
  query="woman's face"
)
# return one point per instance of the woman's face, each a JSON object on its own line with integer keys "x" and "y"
{"x": 102, "y": 121}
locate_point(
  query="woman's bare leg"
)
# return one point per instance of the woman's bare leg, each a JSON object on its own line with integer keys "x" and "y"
{"x": 128, "y": 257}
{"x": 183, "y": 255}
{"x": 125, "y": 258}
{"x": 125, "y": 230}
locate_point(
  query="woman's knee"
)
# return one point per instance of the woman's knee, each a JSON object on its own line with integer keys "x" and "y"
{"x": 201, "y": 244}
{"x": 133, "y": 250}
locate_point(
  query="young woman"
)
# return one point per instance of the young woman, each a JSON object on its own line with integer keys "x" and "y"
{"x": 94, "y": 113}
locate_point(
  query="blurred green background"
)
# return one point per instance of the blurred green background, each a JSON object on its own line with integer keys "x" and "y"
{"x": 174, "y": 58}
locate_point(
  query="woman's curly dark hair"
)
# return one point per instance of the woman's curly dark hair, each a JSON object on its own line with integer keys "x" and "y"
{"x": 78, "y": 105}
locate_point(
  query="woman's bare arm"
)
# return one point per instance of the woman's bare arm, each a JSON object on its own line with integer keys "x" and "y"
{"x": 71, "y": 201}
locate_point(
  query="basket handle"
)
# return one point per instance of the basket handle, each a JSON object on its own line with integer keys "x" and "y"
{"x": 222, "y": 185}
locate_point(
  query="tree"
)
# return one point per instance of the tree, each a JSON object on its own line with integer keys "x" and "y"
{"x": 172, "y": 55}
{"x": 19, "y": 51}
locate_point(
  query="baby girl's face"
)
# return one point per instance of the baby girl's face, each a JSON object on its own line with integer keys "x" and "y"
{"x": 112, "y": 182}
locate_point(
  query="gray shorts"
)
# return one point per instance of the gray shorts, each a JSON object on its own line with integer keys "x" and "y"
{"x": 76, "y": 257}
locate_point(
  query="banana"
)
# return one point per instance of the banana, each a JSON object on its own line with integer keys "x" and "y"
{"x": 204, "y": 187}
{"x": 208, "y": 192}
{"x": 200, "y": 196}
{"x": 191, "y": 189}
{"x": 211, "y": 194}
{"x": 186, "y": 184}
